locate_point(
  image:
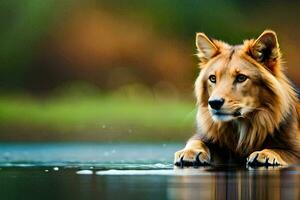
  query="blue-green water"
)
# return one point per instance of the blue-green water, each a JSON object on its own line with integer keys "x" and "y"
{"x": 85, "y": 155}
{"x": 130, "y": 171}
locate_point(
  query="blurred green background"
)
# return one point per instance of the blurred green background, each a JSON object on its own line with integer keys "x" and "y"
{"x": 112, "y": 70}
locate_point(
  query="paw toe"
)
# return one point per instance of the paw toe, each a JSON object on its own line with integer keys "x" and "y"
{"x": 191, "y": 157}
{"x": 263, "y": 158}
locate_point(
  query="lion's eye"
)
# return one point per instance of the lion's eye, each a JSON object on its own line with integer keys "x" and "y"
{"x": 241, "y": 78}
{"x": 212, "y": 78}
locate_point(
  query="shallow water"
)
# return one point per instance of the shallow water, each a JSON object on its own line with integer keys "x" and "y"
{"x": 130, "y": 171}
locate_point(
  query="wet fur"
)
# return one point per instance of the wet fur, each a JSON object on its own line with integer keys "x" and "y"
{"x": 273, "y": 123}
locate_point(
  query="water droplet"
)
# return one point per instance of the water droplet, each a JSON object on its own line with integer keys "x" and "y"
{"x": 55, "y": 168}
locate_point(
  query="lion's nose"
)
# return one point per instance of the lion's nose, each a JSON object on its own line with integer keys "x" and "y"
{"x": 216, "y": 103}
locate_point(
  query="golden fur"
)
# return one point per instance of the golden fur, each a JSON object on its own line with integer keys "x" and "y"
{"x": 258, "y": 123}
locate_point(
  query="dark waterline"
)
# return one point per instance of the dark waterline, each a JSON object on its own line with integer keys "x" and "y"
{"x": 130, "y": 171}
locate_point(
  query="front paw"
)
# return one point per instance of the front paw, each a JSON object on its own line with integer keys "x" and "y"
{"x": 265, "y": 158}
{"x": 192, "y": 157}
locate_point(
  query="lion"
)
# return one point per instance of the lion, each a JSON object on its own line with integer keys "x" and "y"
{"x": 248, "y": 110}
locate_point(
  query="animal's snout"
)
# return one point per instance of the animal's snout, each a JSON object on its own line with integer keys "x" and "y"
{"x": 216, "y": 103}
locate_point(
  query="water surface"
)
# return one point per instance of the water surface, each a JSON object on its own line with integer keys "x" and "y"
{"x": 130, "y": 171}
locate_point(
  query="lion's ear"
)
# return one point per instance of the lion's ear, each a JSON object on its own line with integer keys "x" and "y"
{"x": 206, "y": 47}
{"x": 266, "y": 50}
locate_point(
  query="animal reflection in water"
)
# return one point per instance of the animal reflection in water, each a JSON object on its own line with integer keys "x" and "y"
{"x": 254, "y": 184}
